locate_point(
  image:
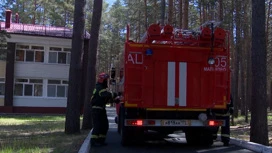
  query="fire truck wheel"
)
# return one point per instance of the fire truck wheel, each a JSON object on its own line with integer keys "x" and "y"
{"x": 207, "y": 139}
{"x": 199, "y": 137}
{"x": 118, "y": 125}
{"x": 191, "y": 137}
{"x": 125, "y": 137}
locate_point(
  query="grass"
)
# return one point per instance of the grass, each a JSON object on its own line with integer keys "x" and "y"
{"x": 241, "y": 129}
{"x": 45, "y": 134}
{"x": 37, "y": 134}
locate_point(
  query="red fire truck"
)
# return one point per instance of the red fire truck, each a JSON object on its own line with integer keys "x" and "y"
{"x": 174, "y": 79}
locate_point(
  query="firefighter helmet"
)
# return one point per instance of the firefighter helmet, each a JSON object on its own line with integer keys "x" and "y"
{"x": 102, "y": 76}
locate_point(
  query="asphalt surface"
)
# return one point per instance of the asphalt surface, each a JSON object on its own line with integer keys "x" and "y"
{"x": 175, "y": 144}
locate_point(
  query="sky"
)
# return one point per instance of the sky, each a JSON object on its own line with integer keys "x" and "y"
{"x": 110, "y": 1}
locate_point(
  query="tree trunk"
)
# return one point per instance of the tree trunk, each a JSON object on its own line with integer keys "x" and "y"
{"x": 271, "y": 93}
{"x": 244, "y": 51}
{"x": 246, "y": 68}
{"x": 221, "y": 10}
{"x": 180, "y": 13}
{"x": 170, "y": 12}
{"x": 204, "y": 12}
{"x": 34, "y": 12}
{"x": 138, "y": 38}
{"x": 146, "y": 26}
{"x": 267, "y": 21}
{"x": 92, "y": 54}
{"x": 258, "y": 130}
{"x": 200, "y": 11}
{"x": 155, "y": 14}
{"x": 267, "y": 45}
{"x": 249, "y": 82}
{"x": 162, "y": 12}
{"x": 72, "y": 122}
{"x": 231, "y": 27}
{"x": 236, "y": 88}
{"x": 185, "y": 14}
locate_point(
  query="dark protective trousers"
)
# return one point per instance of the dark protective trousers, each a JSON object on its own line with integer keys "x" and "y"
{"x": 100, "y": 125}
{"x": 225, "y": 130}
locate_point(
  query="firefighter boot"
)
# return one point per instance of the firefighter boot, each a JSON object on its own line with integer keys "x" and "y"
{"x": 226, "y": 143}
{"x": 95, "y": 142}
{"x": 102, "y": 142}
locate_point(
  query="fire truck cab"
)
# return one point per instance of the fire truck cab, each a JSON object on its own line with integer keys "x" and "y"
{"x": 174, "y": 79}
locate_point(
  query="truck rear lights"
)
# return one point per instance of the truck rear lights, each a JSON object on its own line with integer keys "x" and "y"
{"x": 135, "y": 122}
{"x": 139, "y": 122}
{"x": 215, "y": 123}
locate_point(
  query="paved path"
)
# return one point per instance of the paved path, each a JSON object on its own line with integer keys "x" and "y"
{"x": 176, "y": 144}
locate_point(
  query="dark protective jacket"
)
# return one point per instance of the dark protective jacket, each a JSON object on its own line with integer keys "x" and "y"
{"x": 225, "y": 112}
{"x": 101, "y": 96}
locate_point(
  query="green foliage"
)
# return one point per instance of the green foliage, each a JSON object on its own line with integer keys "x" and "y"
{"x": 43, "y": 12}
{"x": 112, "y": 35}
{"x": 3, "y": 44}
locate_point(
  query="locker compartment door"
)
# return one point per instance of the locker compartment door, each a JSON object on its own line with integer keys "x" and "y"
{"x": 160, "y": 84}
{"x": 177, "y": 84}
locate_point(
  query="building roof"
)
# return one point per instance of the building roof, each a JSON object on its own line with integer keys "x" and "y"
{"x": 40, "y": 30}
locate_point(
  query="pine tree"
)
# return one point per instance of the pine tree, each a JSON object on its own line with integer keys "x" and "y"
{"x": 72, "y": 122}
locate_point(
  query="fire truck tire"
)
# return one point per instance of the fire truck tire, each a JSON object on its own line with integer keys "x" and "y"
{"x": 199, "y": 137}
{"x": 207, "y": 139}
{"x": 191, "y": 137}
{"x": 119, "y": 127}
{"x": 125, "y": 138}
{"x": 124, "y": 131}
{"x": 119, "y": 124}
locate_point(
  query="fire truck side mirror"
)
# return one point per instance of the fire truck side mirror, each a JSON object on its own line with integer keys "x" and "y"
{"x": 113, "y": 73}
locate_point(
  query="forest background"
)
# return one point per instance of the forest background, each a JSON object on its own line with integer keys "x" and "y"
{"x": 234, "y": 15}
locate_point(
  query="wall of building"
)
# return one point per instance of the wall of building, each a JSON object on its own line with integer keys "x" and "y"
{"x": 2, "y": 101}
{"x": 39, "y": 102}
{"x": 41, "y": 70}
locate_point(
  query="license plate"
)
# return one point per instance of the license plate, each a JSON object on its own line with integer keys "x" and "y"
{"x": 173, "y": 122}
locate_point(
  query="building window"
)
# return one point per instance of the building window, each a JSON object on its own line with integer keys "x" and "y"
{"x": 57, "y": 88}
{"x": 27, "y": 53}
{"x": 2, "y": 86}
{"x": 59, "y": 55}
{"x": 28, "y": 87}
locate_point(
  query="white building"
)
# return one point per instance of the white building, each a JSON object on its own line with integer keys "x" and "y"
{"x": 34, "y": 75}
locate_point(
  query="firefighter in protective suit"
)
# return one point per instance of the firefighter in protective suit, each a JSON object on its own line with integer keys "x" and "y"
{"x": 99, "y": 100}
{"x": 225, "y": 115}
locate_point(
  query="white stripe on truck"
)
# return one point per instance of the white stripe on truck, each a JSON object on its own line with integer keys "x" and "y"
{"x": 182, "y": 83}
{"x": 171, "y": 84}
